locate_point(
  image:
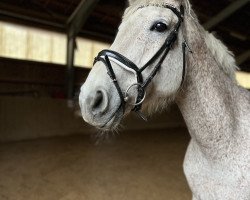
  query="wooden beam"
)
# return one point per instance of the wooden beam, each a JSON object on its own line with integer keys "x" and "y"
{"x": 232, "y": 8}
{"x": 243, "y": 57}
{"x": 37, "y": 73}
{"x": 80, "y": 15}
{"x": 8, "y": 10}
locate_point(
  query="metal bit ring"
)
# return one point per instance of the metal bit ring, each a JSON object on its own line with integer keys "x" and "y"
{"x": 127, "y": 96}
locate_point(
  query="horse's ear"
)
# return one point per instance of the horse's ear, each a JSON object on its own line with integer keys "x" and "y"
{"x": 131, "y": 1}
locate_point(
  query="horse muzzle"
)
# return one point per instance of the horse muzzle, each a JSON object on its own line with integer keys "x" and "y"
{"x": 99, "y": 109}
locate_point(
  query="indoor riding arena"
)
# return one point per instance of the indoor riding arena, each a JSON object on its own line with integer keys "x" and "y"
{"x": 47, "y": 49}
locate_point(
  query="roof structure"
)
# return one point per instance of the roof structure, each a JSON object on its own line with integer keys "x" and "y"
{"x": 228, "y": 18}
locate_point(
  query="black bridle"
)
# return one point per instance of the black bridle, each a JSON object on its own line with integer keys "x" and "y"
{"x": 106, "y": 55}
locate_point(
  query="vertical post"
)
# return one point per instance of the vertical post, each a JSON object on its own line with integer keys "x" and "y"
{"x": 74, "y": 24}
{"x": 70, "y": 66}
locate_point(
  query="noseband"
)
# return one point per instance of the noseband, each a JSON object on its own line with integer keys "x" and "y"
{"x": 106, "y": 56}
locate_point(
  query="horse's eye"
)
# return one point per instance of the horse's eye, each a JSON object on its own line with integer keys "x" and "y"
{"x": 159, "y": 27}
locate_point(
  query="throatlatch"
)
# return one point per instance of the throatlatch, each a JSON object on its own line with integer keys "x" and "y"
{"x": 108, "y": 56}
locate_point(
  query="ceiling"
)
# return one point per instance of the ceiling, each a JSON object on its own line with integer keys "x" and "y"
{"x": 104, "y": 20}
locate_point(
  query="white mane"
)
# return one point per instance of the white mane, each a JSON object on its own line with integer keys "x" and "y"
{"x": 222, "y": 55}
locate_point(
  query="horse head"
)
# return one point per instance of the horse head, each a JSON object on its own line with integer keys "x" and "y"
{"x": 144, "y": 65}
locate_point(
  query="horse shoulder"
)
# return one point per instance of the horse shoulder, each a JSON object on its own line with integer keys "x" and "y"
{"x": 221, "y": 179}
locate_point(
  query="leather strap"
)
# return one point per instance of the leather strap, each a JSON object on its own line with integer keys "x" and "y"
{"x": 105, "y": 55}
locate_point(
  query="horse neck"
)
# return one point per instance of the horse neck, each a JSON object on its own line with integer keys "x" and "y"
{"x": 208, "y": 102}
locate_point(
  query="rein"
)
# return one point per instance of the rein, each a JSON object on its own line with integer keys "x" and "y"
{"x": 106, "y": 56}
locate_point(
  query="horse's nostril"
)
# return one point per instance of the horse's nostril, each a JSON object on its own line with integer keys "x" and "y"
{"x": 98, "y": 99}
{"x": 99, "y": 102}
